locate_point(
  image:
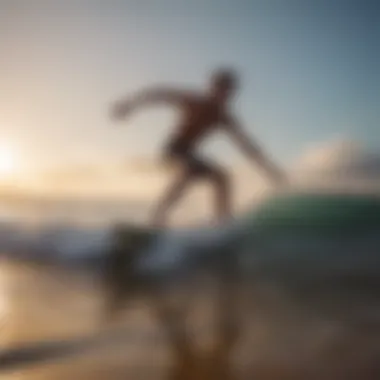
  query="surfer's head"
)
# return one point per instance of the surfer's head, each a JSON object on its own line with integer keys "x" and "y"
{"x": 224, "y": 83}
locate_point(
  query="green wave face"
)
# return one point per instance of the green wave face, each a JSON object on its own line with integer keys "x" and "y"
{"x": 318, "y": 213}
{"x": 313, "y": 235}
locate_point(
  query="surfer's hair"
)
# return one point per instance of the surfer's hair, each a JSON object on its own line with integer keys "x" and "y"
{"x": 225, "y": 78}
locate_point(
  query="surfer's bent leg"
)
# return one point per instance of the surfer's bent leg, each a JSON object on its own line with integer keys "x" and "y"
{"x": 223, "y": 190}
{"x": 170, "y": 197}
{"x": 194, "y": 168}
{"x": 177, "y": 153}
{"x": 219, "y": 178}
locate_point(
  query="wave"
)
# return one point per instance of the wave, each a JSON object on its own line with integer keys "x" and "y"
{"x": 293, "y": 250}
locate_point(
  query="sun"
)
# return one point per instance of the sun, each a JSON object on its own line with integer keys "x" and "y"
{"x": 7, "y": 161}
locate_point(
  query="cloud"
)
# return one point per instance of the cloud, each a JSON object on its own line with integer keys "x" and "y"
{"x": 329, "y": 157}
{"x": 340, "y": 164}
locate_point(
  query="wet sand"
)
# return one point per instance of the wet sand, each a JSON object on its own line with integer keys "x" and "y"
{"x": 281, "y": 338}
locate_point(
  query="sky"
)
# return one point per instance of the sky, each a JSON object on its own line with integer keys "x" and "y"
{"x": 309, "y": 74}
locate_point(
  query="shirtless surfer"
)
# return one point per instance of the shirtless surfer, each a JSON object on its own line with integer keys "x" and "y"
{"x": 201, "y": 114}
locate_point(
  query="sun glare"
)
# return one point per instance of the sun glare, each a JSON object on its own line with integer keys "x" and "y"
{"x": 7, "y": 161}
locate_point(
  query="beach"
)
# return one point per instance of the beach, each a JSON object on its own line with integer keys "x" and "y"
{"x": 281, "y": 337}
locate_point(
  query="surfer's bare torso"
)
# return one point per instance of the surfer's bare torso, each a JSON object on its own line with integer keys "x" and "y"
{"x": 199, "y": 116}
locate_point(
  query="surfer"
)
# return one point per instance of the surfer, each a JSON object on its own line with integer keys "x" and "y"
{"x": 201, "y": 114}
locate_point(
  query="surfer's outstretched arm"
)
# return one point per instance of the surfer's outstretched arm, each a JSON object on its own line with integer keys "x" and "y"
{"x": 253, "y": 150}
{"x": 149, "y": 97}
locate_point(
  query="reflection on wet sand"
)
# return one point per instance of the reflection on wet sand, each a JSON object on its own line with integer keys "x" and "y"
{"x": 279, "y": 340}
{"x": 52, "y": 304}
